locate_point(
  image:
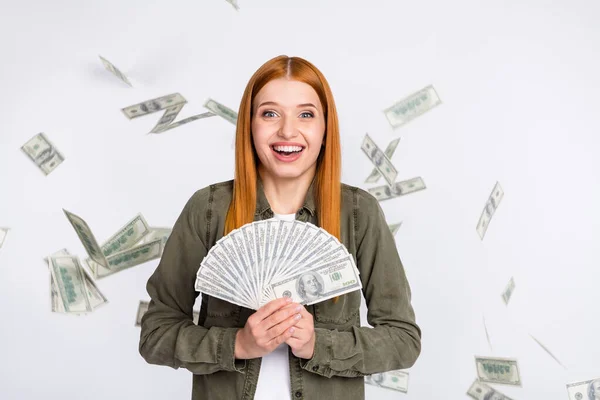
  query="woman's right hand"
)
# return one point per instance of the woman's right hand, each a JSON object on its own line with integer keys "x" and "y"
{"x": 267, "y": 328}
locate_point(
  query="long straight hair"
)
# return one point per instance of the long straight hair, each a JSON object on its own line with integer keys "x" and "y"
{"x": 328, "y": 173}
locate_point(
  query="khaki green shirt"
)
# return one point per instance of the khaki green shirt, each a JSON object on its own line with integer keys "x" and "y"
{"x": 344, "y": 351}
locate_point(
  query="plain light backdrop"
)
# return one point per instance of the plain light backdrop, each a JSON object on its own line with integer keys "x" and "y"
{"x": 519, "y": 84}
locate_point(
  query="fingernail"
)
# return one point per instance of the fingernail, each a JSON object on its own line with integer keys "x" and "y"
{"x": 298, "y": 316}
{"x": 288, "y": 299}
{"x": 292, "y": 330}
{"x": 299, "y": 308}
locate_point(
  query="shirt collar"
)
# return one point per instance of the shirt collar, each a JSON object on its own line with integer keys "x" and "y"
{"x": 262, "y": 204}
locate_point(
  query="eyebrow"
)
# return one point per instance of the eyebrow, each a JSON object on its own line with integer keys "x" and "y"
{"x": 272, "y": 103}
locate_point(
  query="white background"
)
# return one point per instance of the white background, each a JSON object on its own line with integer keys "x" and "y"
{"x": 519, "y": 84}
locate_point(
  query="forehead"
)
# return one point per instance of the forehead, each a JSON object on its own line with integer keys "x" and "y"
{"x": 287, "y": 93}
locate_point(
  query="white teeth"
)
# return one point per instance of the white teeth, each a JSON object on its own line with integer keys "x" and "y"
{"x": 287, "y": 149}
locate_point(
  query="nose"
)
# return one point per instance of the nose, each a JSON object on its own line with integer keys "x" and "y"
{"x": 287, "y": 129}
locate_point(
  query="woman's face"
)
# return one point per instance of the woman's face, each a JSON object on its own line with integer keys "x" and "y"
{"x": 288, "y": 126}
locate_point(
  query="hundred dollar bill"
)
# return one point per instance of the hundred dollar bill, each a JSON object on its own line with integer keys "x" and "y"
{"x": 69, "y": 279}
{"x": 394, "y": 228}
{"x": 412, "y": 106}
{"x": 481, "y": 391}
{"x": 126, "y": 259}
{"x": 114, "y": 70}
{"x": 487, "y": 335}
{"x": 548, "y": 352}
{"x": 498, "y": 370}
{"x": 43, "y": 153}
{"x": 153, "y": 105}
{"x": 126, "y": 237}
{"x": 221, "y": 110}
{"x": 234, "y": 4}
{"x": 389, "y": 152}
{"x": 398, "y": 189}
{"x": 489, "y": 210}
{"x": 94, "y": 294}
{"x": 379, "y": 159}
{"x": 395, "y": 380}
{"x": 87, "y": 238}
{"x": 508, "y": 291}
{"x": 320, "y": 283}
{"x": 584, "y": 390}
{"x": 156, "y": 233}
{"x": 3, "y": 234}
{"x": 143, "y": 307}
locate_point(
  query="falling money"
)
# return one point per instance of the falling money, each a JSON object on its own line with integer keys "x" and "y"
{"x": 172, "y": 104}
{"x": 398, "y": 189}
{"x": 221, "y": 110}
{"x": 489, "y": 210}
{"x": 481, "y": 391}
{"x": 394, "y": 228}
{"x": 3, "y": 233}
{"x": 114, "y": 70}
{"x": 379, "y": 159}
{"x": 395, "y": 380}
{"x": 498, "y": 370}
{"x": 412, "y": 106}
{"x": 234, "y": 4}
{"x": 547, "y": 351}
{"x": 95, "y": 297}
{"x": 389, "y": 152}
{"x": 508, "y": 291}
{"x": 43, "y": 153}
{"x": 584, "y": 390}
{"x": 143, "y": 308}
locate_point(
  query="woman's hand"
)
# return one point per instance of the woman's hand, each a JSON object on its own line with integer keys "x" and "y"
{"x": 267, "y": 328}
{"x": 302, "y": 341}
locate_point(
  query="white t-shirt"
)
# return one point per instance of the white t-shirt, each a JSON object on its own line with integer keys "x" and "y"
{"x": 274, "y": 376}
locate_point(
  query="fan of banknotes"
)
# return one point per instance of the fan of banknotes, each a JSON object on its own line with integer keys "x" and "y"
{"x": 269, "y": 259}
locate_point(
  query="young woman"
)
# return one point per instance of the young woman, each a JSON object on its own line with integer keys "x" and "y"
{"x": 287, "y": 165}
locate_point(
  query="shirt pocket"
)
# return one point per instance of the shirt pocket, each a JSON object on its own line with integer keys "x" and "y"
{"x": 340, "y": 315}
{"x": 221, "y": 313}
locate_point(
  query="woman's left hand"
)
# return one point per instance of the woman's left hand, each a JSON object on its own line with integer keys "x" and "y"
{"x": 302, "y": 341}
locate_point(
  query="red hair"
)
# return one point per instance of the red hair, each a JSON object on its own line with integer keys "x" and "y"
{"x": 328, "y": 174}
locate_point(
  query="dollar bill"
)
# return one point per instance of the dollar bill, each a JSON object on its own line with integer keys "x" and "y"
{"x": 395, "y": 380}
{"x": 3, "y": 234}
{"x": 114, "y": 70}
{"x": 153, "y": 105}
{"x": 498, "y": 370}
{"x": 584, "y": 390}
{"x": 398, "y": 189}
{"x": 487, "y": 335}
{"x": 126, "y": 237}
{"x": 379, "y": 159}
{"x": 489, "y": 210}
{"x": 143, "y": 307}
{"x": 481, "y": 391}
{"x": 69, "y": 279}
{"x": 548, "y": 351}
{"x": 42, "y": 152}
{"x": 412, "y": 106}
{"x": 234, "y": 4}
{"x": 221, "y": 110}
{"x": 508, "y": 291}
{"x": 389, "y": 152}
{"x": 394, "y": 228}
{"x": 320, "y": 283}
{"x": 87, "y": 238}
{"x": 156, "y": 233}
{"x": 125, "y": 259}
{"x": 94, "y": 294}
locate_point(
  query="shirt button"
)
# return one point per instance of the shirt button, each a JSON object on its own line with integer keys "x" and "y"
{"x": 298, "y": 394}
{"x": 315, "y": 368}
{"x": 301, "y": 212}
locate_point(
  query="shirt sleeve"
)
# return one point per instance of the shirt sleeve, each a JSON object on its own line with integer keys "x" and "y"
{"x": 168, "y": 335}
{"x": 394, "y": 341}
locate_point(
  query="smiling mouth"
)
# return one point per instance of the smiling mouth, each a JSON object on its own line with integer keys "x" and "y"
{"x": 287, "y": 150}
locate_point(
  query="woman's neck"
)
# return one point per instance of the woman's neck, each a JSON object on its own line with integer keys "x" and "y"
{"x": 286, "y": 196}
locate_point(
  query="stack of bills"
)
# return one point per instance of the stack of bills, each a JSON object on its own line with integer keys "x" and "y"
{"x": 269, "y": 259}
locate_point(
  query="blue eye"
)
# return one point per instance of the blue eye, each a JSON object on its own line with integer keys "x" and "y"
{"x": 310, "y": 115}
{"x": 268, "y": 112}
